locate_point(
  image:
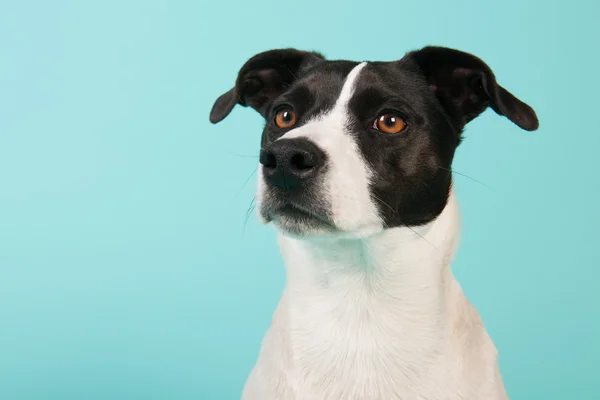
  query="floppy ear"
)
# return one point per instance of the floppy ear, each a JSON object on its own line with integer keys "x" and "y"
{"x": 262, "y": 79}
{"x": 466, "y": 86}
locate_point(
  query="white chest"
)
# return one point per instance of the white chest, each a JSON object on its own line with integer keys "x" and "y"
{"x": 357, "y": 354}
{"x": 377, "y": 319}
{"x": 362, "y": 342}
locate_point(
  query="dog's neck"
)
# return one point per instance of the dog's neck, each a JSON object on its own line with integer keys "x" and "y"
{"x": 389, "y": 291}
{"x": 397, "y": 262}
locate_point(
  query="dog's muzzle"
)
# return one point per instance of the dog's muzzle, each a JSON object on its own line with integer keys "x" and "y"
{"x": 293, "y": 173}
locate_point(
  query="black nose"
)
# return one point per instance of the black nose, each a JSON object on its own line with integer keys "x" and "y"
{"x": 290, "y": 163}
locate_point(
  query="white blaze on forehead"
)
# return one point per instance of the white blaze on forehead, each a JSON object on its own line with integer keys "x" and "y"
{"x": 349, "y": 85}
{"x": 347, "y": 179}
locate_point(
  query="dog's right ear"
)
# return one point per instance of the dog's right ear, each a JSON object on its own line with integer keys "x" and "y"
{"x": 262, "y": 79}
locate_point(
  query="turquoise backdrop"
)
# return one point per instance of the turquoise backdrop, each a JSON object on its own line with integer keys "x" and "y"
{"x": 129, "y": 268}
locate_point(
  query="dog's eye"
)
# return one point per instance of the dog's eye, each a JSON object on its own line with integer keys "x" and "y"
{"x": 389, "y": 123}
{"x": 285, "y": 118}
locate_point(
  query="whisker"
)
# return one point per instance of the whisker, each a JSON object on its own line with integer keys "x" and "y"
{"x": 414, "y": 231}
{"x": 383, "y": 202}
{"x": 248, "y": 213}
{"x": 245, "y": 183}
{"x": 423, "y": 237}
{"x": 290, "y": 71}
{"x": 466, "y": 176}
{"x": 244, "y": 155}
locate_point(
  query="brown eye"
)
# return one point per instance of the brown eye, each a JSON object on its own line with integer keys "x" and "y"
{"x": 285, "y": 118}
{"x": 389, "y": 123}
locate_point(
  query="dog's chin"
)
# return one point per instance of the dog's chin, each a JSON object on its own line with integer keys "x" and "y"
{"x": 298, "y": 223}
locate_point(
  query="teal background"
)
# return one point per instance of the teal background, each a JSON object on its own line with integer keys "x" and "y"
{"x": 127, "y": 267}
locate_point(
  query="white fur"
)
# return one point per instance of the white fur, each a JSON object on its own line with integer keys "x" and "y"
{"x": 375, "y": 314}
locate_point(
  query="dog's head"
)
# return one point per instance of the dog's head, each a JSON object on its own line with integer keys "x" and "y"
{"x": 352, "y": 148}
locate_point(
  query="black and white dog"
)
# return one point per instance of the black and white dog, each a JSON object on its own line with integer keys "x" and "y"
{"x": 355, "y": 174}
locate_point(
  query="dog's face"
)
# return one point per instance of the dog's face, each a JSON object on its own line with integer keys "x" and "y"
{"x": 350, "y": 148}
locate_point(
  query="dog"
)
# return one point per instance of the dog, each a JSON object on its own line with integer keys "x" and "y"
{"x": 355, "y": 174}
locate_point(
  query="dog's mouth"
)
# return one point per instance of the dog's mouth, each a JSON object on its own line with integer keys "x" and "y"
{"x": 294, "y": 211}
{"x": 298, "y": 220}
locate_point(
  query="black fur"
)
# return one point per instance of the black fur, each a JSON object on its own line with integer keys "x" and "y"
{"x": 437, "y": 91}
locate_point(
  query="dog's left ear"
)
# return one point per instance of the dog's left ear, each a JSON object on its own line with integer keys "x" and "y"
{"x": 466, "y": 86}
{"x": 262, "y": 79}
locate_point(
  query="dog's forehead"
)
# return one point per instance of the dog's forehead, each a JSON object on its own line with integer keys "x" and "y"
{"x": 322, "y": 85}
